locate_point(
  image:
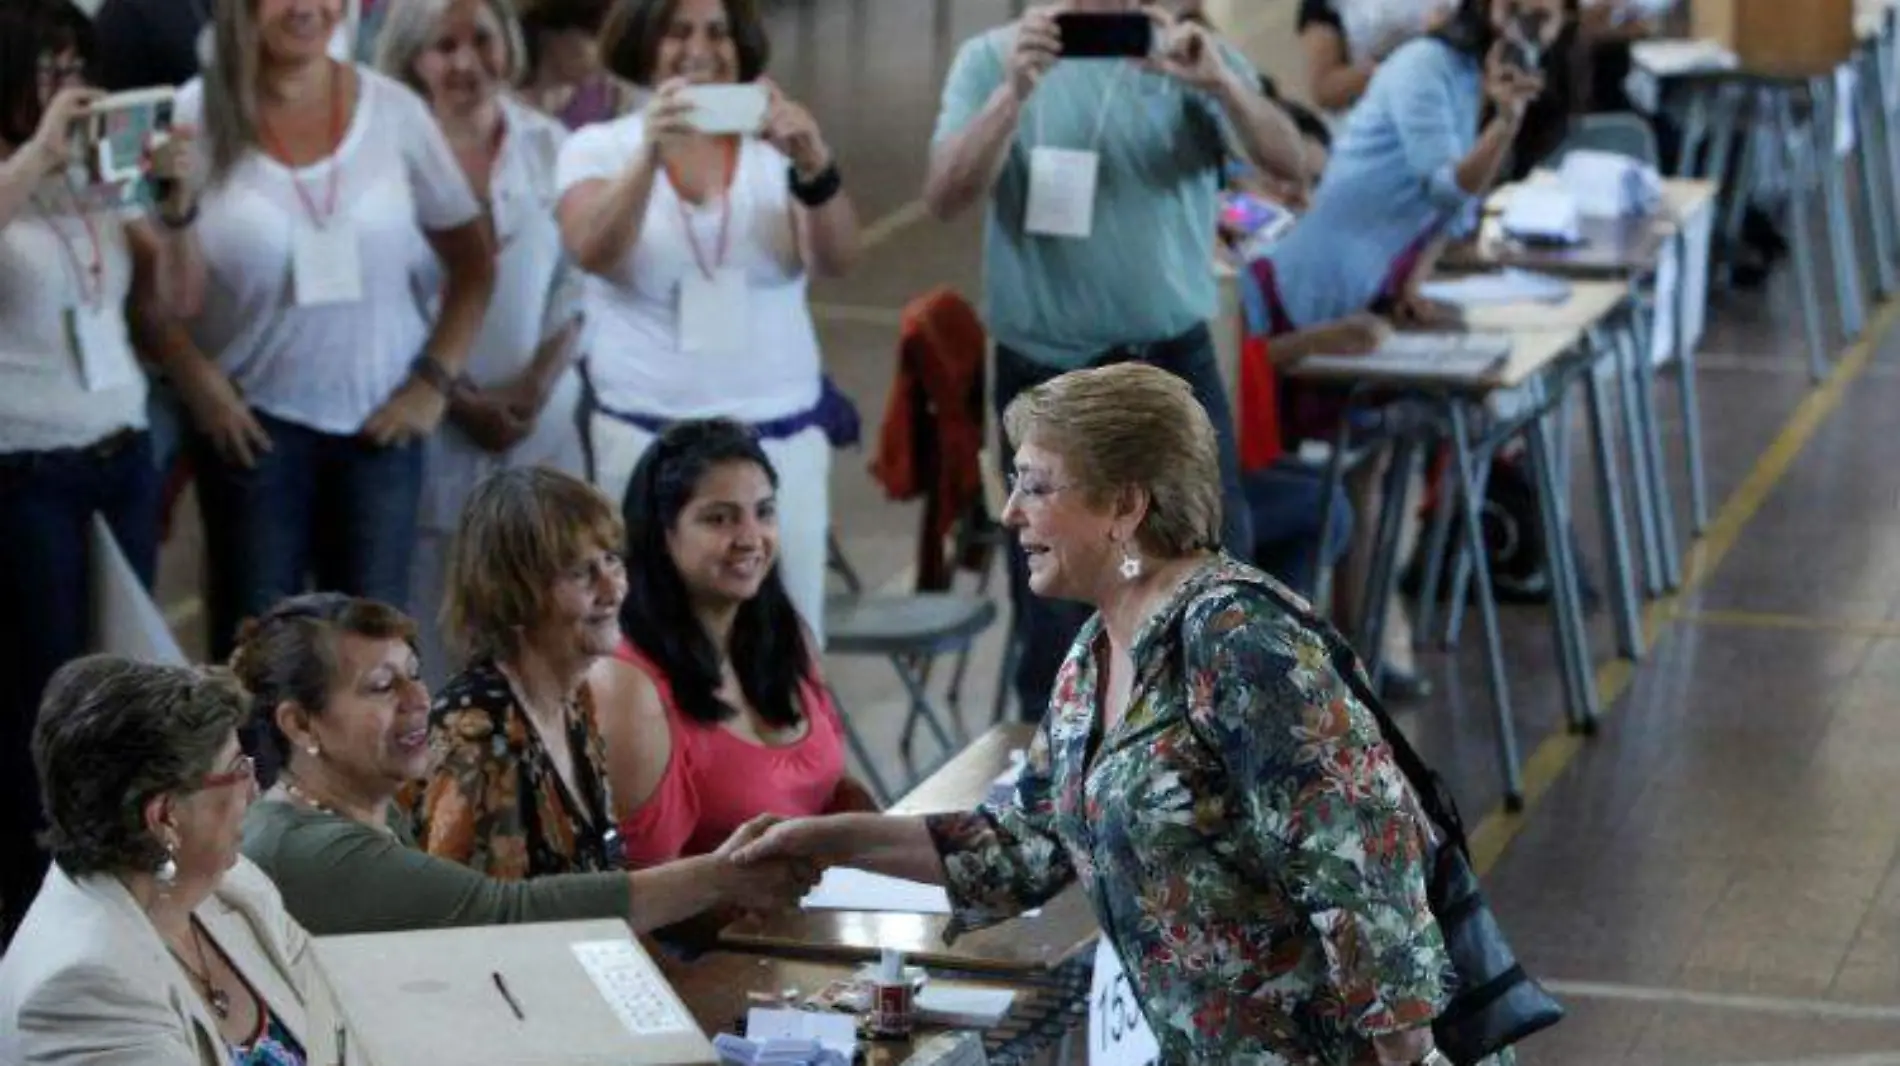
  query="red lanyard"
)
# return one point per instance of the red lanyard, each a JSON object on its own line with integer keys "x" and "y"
{"x": 725, "y": 214}
{"x": 336, "y": 165}
{"x": 89, "y": 277}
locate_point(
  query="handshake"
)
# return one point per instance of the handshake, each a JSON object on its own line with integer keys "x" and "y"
{"x": 770, "y": 863}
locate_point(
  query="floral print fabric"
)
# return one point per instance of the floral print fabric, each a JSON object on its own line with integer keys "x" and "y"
{"x": 495, "y": 802}
{"x": 1247, "y": 842}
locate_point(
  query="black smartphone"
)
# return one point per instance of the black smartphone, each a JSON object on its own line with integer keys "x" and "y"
{"x": 1105, "y": 35}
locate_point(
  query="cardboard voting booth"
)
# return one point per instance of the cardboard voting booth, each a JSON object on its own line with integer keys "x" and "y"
{"x": 125, "y": 621}
{"x": 1786, "y": 38}
{"x": 551, "y": 994}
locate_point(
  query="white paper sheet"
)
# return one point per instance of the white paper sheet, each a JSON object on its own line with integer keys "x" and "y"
{"x": 846, "y": 889}
{"x": 833, "y": 1031}
{"x": 1471, "y": 357}
{"x": 1503, "y": 287}
{"x": 963, "y": 1008}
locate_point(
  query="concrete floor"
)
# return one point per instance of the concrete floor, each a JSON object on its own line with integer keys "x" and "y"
{"x": 1711, "y": 880}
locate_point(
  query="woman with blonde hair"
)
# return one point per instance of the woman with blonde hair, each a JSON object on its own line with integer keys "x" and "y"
{"x": 517, "y": 402}
{"x": 1205, "y": 771}
{"x": 518, "y": 786}
{"x": 313, "y": 372}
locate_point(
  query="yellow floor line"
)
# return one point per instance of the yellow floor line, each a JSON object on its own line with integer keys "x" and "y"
{"x": 1495, "y": 833}
{"x": 1851, "y": 627}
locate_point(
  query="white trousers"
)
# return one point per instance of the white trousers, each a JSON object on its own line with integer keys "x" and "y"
{"x": 803, "y": 463}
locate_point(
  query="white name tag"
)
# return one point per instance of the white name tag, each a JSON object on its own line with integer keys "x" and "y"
{"x": 99, "y": 347}
{"x": 713, "y": 313}
{"x": 1062, "y": 193}
{"x": 1118, "y": 1033}
{"x": 326, "y": 264}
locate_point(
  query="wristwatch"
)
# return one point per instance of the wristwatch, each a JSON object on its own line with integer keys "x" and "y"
{"x": 1434, "y": 1057}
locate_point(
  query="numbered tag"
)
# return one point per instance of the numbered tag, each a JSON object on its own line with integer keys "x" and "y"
{"x": 1118, "y": 1033}
{"x": 713, "y": 313}
{"x": 96, "y": 337}
{"x": 326, "y": 263}
{"x": 1062, "y": 193}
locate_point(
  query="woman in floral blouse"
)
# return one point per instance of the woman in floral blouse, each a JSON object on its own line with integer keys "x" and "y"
{"x": 519, "y": 785}
{"x": 1249, "y": 846}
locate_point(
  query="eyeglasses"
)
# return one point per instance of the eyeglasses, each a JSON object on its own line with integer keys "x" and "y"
{"x": 55, "y": 72}
{"x": 245, "y": 771}
{"x": 1032, "y": 490}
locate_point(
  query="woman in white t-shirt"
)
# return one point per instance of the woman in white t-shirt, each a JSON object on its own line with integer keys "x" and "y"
{"x": 313, "y": 374}
{"x": 698, "y": 249}
{"x": 519, "y": 401}
{"x": 73, "y": 435}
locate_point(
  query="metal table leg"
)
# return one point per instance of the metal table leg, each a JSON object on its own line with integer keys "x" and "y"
{"x": 1624, "y": 602}
{"x": 1438, "y": 541}
{"x": 1688, "y": 393}
{"x": 1471, "y": 498}
{"x": 1801, "y": 181}
{"x": 1622, "y": 342}
{"x": 1876, "y": 180}
{"x": 1384, "y": 570}
{"x": 1844, "y": 249}
{"x": 1669, "y": 550}
{"x": 1566, "y": 598}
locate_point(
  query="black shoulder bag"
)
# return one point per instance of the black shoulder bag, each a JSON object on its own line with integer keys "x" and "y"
{"x": 1494, "y": 1003}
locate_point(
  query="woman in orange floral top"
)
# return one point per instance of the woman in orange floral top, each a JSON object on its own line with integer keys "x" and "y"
{"x": 1205, "y": 774}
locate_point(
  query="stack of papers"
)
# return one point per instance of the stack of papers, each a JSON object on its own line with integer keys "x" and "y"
{"x": 1503, "y": 287}
{"x": 1543, "y": 212}
{"x": 791, "y": 1038}
{"x": 950, "y": 1049}
{"x": 738, "y": 1051}
{"x": 1668, "y": 58}
{"x": 1469, "y": 357}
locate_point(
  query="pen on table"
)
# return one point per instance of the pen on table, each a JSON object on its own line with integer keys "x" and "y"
{"x": 513, "y": 1004}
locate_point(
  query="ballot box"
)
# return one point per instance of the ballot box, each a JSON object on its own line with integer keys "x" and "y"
{"x": 548, "y": 994}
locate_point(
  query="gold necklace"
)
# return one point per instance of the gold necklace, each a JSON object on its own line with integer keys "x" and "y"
{"x": 295, "y": 792}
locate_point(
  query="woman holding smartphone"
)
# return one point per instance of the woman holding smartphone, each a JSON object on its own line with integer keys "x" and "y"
{"x": 698, "y": 242}
{"x": 74, "y": 438}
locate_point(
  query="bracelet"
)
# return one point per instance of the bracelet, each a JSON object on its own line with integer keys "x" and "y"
{"x": 430, "y": 373}
{"x": 820, "y": 190}
{"x": 184, "y": 221}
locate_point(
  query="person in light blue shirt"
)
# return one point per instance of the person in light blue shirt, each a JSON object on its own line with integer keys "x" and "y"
{"x": 1408, "y": 171}
{"x": 1101, "y": 179}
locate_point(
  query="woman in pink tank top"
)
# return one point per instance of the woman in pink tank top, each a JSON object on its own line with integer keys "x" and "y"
{"x": 714, "y": 711}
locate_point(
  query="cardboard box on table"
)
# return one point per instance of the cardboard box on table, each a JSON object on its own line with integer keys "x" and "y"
{"x": 1784, "y": 38}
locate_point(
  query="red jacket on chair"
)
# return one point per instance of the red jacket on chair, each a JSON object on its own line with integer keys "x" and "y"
{"x": 931, "y": 442}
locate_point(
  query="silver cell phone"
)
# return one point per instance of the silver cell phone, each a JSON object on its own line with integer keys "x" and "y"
{"x": 723, "y": 109}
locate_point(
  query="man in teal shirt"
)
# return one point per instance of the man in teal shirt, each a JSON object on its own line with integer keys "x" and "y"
{"x": 1102, "y": 179}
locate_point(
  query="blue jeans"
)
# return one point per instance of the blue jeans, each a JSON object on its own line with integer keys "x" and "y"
{"x": 1044, "y": 629}
{"x": 47, "y": 500}
{"x": 319, "y": 510}
{"x": 1285, "y": 500}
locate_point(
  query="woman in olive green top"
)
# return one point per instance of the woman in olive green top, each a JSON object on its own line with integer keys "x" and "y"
{"x": 337, "y": 682}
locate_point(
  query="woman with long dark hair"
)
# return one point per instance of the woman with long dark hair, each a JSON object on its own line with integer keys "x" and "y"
{"x": 714, "y": 712}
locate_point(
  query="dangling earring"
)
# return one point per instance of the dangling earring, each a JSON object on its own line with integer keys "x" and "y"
{"x": 167, "y": 872}
{"x": 314, "y": 751}
{"x": 1131, "y": 564}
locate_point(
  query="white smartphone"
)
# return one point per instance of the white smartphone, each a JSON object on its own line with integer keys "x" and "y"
{"x": 119, "y": 128}
{"x": 722, "y": 109}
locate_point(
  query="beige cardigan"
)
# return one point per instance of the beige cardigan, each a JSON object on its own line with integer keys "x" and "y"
{"x": 88, "y": 982}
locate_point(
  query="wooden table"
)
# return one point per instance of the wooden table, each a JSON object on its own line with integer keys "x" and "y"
{"x": 1027, "y": 946}
{"x": 720, "y": 988}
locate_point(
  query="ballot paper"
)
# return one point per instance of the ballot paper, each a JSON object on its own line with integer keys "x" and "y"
{"x": 847, "y": 889}
{"x": 1450, "y": 357}
{"x": 1543, "y": 212}
{"x": 1669, "y": 58}
{"x": 1501, "y": 287}
{"x": 739, "y": 1051}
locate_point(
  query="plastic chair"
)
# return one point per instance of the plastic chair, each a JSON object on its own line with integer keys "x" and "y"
{"x": 1623, "y": 133}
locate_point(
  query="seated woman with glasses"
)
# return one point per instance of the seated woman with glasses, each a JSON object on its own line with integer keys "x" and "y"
{"x": 715, "y": 712}
{"x": 152, "y": 941}
{"x": 339, "y": 685}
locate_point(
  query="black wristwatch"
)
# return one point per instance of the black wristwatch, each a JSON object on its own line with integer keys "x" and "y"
{"x": 430, "y": 373}
{"x": 818, "y": 191}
